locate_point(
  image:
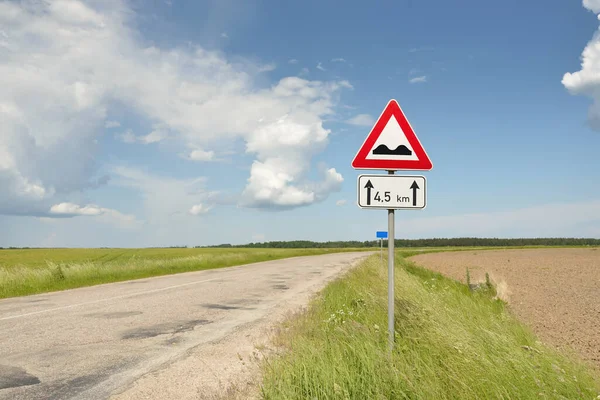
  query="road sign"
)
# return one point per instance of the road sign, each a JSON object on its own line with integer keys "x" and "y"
{"x": 381, "y": 235}
{"x": 392, "y": 192}
{"x": 392, "y": 144}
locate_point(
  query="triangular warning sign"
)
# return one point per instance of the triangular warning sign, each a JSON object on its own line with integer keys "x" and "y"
{"x": 392, "y": 144}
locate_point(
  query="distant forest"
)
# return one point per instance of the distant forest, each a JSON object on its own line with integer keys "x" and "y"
{"x": 435, "y": 242}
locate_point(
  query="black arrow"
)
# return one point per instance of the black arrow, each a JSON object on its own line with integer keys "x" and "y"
{"x": 369, "y": 186}
{"x": 414, "y": 187}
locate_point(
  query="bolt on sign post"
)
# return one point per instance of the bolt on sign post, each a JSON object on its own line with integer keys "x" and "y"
{"x": 391, "y": 145}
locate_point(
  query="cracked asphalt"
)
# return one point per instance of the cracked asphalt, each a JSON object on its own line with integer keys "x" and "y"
{"x": 101, "y": 342}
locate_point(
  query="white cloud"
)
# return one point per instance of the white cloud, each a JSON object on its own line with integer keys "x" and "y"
{"x": 592, "y": 5}
{"x": 284, "y": 146}
{"x": 199, "y": 209}
{"x": 201, "y": 155}
{"x": 50, "y": 112}
{"x": 270, "y": 184}
{"x": 340, "y": 203}
{"x": 587, "y": 80}
{"x": 320, "y": 67}
{"x": 361, "y": 120}
{"x": 304, "y": 71}
{"x": 74, "y": 209}
{"x": 91, "y": 210}
{"x": 266, "y": 68}
{"x": 63, "y": 64}
{"x": 224, "y": 35}
{"x": 332, "y": 183}
{"x": 112, "y": 124}
{"x": 418, "y": 79}
{"x": 155, "y": 136}
{"x": 163, "y": 196}
{"x": 127, "y": 137}
{"x": 293, "y": 61}
{"x": 338, "y": 60}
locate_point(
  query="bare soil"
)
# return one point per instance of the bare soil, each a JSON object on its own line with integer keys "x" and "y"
{"x": 555, "y": 291}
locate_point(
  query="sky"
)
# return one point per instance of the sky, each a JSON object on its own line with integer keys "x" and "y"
{"x": 130, "y": 123}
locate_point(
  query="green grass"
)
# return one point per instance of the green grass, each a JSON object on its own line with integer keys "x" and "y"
{"x": 451, "y": 343}
{"x": 30, "y": 271}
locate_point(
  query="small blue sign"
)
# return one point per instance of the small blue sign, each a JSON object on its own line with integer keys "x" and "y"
{"x": 382, "y": 235}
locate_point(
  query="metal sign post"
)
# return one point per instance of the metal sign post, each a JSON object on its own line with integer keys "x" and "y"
{"x": 391, "y": 281}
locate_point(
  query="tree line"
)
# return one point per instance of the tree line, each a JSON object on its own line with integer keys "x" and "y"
{"x": 433, "y": 242}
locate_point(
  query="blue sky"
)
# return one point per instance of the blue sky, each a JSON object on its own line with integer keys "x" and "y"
{"x": 135, "y": 123}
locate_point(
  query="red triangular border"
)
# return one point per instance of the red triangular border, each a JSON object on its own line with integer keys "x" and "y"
{"x": 360, "y": 160}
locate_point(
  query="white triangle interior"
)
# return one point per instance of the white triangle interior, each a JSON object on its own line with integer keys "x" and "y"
{"x": 392, "y": 136}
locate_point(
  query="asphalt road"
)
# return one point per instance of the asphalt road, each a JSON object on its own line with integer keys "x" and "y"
{"x": 94, "y": 342}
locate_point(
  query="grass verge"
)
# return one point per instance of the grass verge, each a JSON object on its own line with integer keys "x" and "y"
{"x": 25, "y": 272}
{"x": 451, "y": 343}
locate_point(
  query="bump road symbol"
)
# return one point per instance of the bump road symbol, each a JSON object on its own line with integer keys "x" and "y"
{"x": 401, "y": 150}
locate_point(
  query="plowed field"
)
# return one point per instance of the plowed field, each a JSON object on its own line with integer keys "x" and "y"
{"x": 555, "y": 291}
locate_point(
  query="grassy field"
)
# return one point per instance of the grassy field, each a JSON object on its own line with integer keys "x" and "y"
{"x": 30, "y": 271}
{"x": 451, "y": 343}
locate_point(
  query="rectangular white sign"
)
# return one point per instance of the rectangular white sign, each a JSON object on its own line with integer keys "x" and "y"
{"x": 392, "y": 192}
